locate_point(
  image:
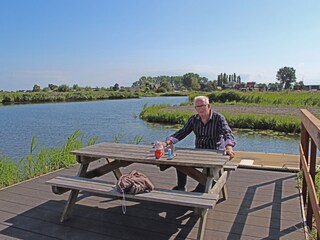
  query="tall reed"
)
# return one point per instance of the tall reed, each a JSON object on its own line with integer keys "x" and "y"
{"x": 157, "y": 113}
{"x": 46, "y": 160}
{"x": 291, "y": 98}
{"x": 40, "y": 162}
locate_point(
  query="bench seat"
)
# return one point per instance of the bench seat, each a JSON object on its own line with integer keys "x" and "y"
{"x": 202, "y": 202}
{"x": 189, "y": 199}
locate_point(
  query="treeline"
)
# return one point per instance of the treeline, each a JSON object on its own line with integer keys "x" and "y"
{"x": 74, "y": 88}
{"x": 189, "y": 81}
{"x": 42, "y": 97}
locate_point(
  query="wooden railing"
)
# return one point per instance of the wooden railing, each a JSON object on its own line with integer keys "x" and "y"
{"x": 310, "y": 144}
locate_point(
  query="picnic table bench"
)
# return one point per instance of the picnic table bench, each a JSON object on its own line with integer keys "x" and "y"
{"x": 215, "y": 168}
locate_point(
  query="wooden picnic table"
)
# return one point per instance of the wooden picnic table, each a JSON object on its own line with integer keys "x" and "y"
{"x": 205, "y": 166}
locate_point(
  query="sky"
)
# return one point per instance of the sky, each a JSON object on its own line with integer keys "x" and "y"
{"x": 99, "y": 43}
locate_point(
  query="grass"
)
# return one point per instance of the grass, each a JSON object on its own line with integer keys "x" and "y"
{"x": 285, "y": 98}
{"x": 40, "y": 162}
{"x": 45, "y": 97}
{"x": 287, "y": 124}
{"x": 45, "y": 160}
{"x": 313, "y": 233}
{"x": 284, "y": 124}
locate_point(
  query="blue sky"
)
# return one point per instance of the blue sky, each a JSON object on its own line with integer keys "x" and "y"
{"x": 101, "y": 42}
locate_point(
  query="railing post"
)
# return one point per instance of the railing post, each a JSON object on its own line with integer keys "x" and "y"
{"x": 305, "y": 147}
{"x": 310, "y": 136}
{"x": 312, "y": 171}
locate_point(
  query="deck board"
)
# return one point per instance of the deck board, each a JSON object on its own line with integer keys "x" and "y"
{"x": 261, "y": 205}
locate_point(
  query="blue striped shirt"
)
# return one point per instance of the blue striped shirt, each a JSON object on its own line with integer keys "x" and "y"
{"x": 212, "y": 135}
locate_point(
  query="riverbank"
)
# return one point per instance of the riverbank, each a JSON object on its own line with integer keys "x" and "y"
{"x": 237, "y": 109}
{"x": 271, "y": 118}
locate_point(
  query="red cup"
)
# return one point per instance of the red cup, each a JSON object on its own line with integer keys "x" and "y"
{"x": 158, "y": 153}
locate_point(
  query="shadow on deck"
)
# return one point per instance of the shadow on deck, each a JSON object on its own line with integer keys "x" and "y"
{"x": 261, "y": 205}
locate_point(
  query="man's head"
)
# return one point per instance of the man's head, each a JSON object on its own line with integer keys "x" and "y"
{"x": 202, "y": 106}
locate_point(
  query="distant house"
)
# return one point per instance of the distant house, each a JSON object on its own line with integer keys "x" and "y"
{"x": 229, "y": 85}
{"x": 311, "y": 87}
{"x": 240, "y": 86}
{"x": 250, "y": 86}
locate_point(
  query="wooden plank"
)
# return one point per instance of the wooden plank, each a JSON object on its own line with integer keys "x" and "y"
{"x": 312, "y": 124}
{"x": 250, "y": 212}
{"x": 102, "y": 185}
{"x": 311, "y": 189}
{"x": 230, "y": 166}
{"x": 189, "y": 199}
{"x": 220, "y": 183}
{"x": 111, "y": 166}
{"x": 193, "y": 173}
{"x": 140, "y": 153}
{"x": 202, "y": 224}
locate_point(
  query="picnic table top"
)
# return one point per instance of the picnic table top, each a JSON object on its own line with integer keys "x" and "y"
{"x": 144, "y": 154}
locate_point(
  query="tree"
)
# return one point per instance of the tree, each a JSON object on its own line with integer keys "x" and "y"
{"x": 52, "y": 87}
{"x": 219, "y": 81}
{"x": 298, "y": 85}
{"x": 286, "y": 76}
{"x": 36, "y": 88}
{"x": 211, "y": 85}
{"x": 166, "y": 85}
{"x": 76, "y": 87}
{"x": 191, "y": 81}
{"x": 273, "y": 87}
{"x": 63, "y": 88}
{"x": 116, "y": 87}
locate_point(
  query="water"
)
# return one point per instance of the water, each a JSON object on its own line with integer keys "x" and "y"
{"x": 53, "y": 123}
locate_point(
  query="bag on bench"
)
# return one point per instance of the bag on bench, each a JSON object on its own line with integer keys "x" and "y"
{"x": 134, "y": 182}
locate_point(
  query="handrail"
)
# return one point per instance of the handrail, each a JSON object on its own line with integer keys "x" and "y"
{"x": 310, "y": 142}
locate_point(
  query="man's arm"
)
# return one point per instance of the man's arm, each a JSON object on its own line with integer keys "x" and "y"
{"x": 182, "y": 133}
{"x": 229, "y": 151}
{"x": 228, "y": 137}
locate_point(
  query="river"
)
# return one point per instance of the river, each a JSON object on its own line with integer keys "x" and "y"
{"x": 52, "y": 123}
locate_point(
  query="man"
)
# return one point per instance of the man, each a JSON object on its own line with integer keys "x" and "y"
{"x": 211, "y": 131}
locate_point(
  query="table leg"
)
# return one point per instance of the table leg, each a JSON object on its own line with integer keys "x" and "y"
{"x": 202, "y": 224}
{"x": 216, "y": 173}
{"x": 73, "y": 195}
{"x": 224, "y": 189}
{"x": 212, "y": 175}
{"x": 117, "y": 173}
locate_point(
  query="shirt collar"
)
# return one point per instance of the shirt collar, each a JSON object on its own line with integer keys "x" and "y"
{"x": 211, "y": 115}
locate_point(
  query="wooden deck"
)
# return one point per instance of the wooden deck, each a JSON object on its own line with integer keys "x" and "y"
{"x": 261, "y": 205}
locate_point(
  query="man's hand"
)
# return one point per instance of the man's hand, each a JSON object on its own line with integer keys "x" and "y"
{"x": 229, "y": 151}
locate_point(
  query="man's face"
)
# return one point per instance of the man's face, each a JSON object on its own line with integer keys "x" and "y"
{"x": 202, "y": 108}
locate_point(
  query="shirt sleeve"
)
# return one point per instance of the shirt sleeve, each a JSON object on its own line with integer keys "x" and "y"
{"x": 226, "y": 132}
{"x": 183, "y": 132}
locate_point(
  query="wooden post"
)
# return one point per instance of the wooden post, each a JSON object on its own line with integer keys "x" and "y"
{"x": 74, "y": 193}
{"x": 305, "y": 147}
{"x": 117, "y": 173}
{"x": 312, "y": 171}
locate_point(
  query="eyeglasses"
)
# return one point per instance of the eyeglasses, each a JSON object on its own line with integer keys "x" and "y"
{"x": 201, "y": 106}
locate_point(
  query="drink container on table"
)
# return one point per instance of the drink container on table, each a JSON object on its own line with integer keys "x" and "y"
{"x": 169, "y": 153}
{"x": 158, "y": 150}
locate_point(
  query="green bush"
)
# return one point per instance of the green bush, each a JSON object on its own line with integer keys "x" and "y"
{"x": 300, "y": 99}
{"x": 158, "y": 113}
